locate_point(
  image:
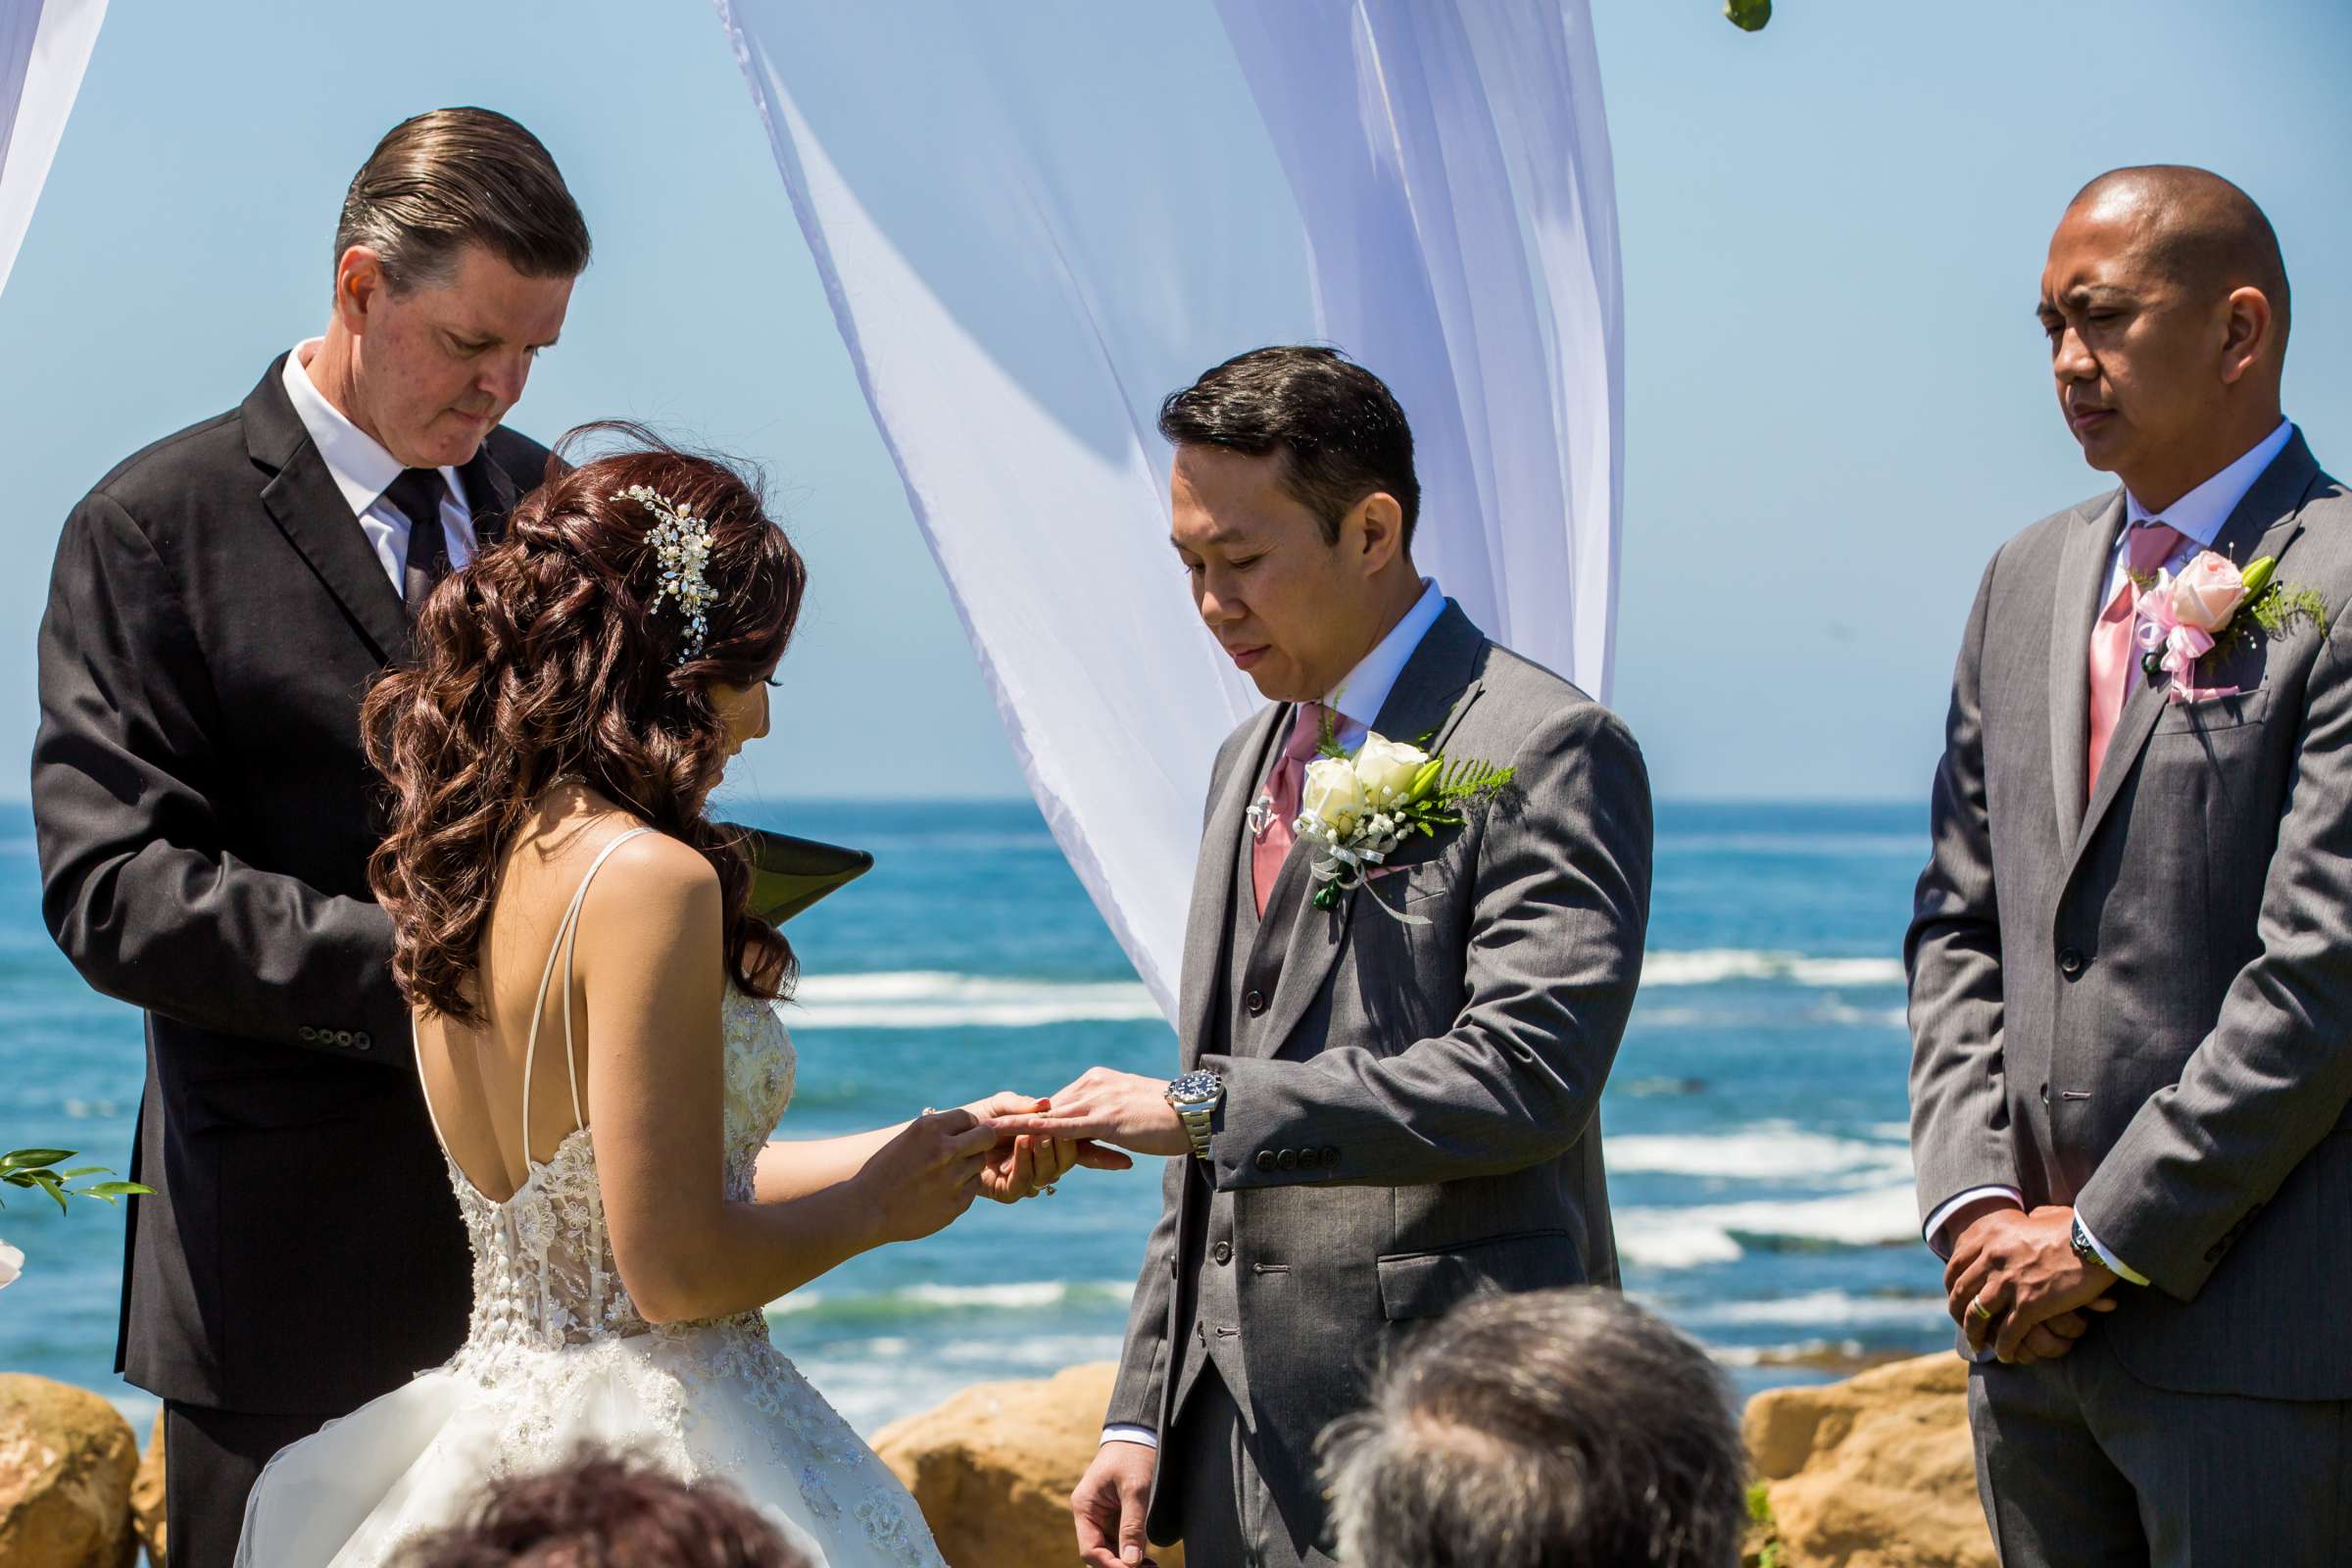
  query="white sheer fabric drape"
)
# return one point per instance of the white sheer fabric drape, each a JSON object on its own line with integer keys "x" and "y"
{"x": 44, "y": 48}
{"x": 1034, "y": 222}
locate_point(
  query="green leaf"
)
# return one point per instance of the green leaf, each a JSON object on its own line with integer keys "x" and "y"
{"x": 23, "y": 1157}
{"x": 85, "y": 1170}
{"x": 109, "y": 1190}
{"x": 1748, "y": 15}
{"x": 1424, "y": 781}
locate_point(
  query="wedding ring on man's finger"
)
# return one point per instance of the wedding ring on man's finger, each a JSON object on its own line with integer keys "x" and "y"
{"x": 1979, "y": 1310}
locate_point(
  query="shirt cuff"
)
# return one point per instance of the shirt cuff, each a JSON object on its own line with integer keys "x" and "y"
{"x": 1127, "y": 1434}
{"x": 1938, "y": 1242}
{"x": 2123, "y": 1270}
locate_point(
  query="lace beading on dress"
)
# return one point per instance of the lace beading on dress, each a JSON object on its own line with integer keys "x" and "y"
{"x": 544, "y": 1275}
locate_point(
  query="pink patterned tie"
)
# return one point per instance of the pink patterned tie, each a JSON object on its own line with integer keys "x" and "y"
{"x": 2150, "y": 546}
{"x": 1287, "y": 784}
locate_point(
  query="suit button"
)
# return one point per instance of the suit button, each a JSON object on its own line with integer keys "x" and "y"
{"x": 1331, "y": 1156}
{"x": 1222, "y": 1252}
{"x": 1288, "y": 1159}
{"x": 1265, "y": 1160}
{"x": 306, "y": 1032}
{"x": 361, "y": 1039}
{"x": 2071, "y": 963}
{"x": 1255, "y": 1001}
{"x": 342, "y": 1037}
{"x": 1310, "y": 1158}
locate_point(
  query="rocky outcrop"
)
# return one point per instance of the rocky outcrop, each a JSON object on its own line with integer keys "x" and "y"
{"x": 993, "y": 1467}
{"x": 1875, "y": 1472}
{"x": 147, "y": 1496}
{"x": 65, "y": 1463}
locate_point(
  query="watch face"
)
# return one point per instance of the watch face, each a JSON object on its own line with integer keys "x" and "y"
{"x": 1195, "y": 1088}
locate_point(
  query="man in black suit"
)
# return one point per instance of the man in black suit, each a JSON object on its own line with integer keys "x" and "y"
{"x": 219, "y": 605}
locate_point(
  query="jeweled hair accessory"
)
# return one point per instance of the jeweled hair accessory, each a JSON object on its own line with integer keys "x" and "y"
{"x": 682, "y": 543}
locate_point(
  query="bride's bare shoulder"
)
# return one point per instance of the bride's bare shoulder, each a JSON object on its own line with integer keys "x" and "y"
{"x": 651, "y": 883}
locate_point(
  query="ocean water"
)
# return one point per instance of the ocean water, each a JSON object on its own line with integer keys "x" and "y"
{"x": 1754, "y": 1124}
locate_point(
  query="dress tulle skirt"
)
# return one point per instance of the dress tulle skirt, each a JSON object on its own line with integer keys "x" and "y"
{"x": 712, "y": 1400}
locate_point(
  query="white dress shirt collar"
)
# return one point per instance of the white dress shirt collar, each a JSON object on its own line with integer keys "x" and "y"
{"x": 1358, "y": 701}
{"x": 2200, "y": 513}
{"x": 362, "y": 470}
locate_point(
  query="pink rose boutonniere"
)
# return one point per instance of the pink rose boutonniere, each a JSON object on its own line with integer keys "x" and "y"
{"x": 2183, "y": 620}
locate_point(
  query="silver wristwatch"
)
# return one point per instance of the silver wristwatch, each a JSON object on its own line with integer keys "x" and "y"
{"x": 1197, "y": 1097}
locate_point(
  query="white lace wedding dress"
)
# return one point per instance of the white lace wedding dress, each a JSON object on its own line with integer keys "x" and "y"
{"x": 557, "y": 1354}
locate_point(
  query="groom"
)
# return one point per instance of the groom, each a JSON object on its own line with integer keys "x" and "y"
{"x": 2131, "y": 953}
{"x": 1383, "y": 1109}
{"x": 220, "y": 601}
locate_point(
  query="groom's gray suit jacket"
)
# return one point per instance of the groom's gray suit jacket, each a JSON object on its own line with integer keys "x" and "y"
{"x": 2141, "y": 1004}
{"x": 1410, "y": 1109}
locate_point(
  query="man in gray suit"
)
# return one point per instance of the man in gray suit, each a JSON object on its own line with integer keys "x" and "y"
{"x": 2132, "y": 953}
{"x": 1383, "y": 1109}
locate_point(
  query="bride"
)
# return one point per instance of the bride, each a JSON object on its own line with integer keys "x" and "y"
{"x": 552, "y": 881}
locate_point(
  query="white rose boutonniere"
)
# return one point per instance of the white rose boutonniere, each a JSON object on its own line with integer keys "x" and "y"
{"x": 1356, "y": 808}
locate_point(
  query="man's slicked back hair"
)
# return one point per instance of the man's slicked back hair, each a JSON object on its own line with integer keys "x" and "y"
{"x": 1339, "y": 428}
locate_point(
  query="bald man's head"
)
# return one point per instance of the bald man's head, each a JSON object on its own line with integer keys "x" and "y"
{"x": 2200, "y": 230}
{"x": 2165, "y": 302}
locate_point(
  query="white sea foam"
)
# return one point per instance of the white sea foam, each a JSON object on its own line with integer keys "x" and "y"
{"x": 912, "y": 1300}
{"x": 936, "y": 1000}
{"x": 1818, "y": 1310}
{"x": 1768, "y": 1150}
{"x": 1708, "y": 966}
{"x": 1711, "y": 1233}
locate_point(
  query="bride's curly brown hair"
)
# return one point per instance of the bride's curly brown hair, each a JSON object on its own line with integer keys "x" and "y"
{"x": 544, "y": 657}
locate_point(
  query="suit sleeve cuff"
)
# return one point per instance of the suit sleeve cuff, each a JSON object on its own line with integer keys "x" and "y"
{"x": 1941, "y": 1244}
{"x": 2123, "y": 1270}
{"x": 1130, "y": 1434}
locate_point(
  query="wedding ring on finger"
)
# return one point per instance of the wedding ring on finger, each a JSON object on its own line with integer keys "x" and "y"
{"x": 1980, "y": 1312}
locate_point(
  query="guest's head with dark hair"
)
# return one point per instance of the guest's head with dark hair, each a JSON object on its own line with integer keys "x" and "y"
{"x": 604, "y": 1512}
{"x": 453, "y": 260}
{"x": 1555, "y": 1428}
{"x": 1294, "y": 504}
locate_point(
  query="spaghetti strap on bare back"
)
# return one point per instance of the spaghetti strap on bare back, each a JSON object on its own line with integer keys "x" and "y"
{"x": 567, "y": 946}
{"x": 566, "y": 942}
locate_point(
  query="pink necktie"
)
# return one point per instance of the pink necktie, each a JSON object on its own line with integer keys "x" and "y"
{"x": 1284, "y": 787}
{"x": 2150, "y": 546}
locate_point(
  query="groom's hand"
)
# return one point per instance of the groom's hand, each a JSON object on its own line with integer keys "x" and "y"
{"x": 1110, "y": 1504}
{"x": 1121, "y": 1109}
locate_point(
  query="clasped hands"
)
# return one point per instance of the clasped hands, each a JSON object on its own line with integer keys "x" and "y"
{"x": 2015, "y": 1283}
{"x": 1024, "y": 1163}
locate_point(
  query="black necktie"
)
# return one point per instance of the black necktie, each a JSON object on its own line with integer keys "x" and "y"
{"x": 417, "y": 494}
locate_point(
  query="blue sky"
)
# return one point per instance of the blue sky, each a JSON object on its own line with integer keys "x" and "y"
{"x": 1838, "y": 401}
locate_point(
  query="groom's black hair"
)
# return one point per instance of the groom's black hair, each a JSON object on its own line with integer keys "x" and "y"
{"x": 1336, "y": 422}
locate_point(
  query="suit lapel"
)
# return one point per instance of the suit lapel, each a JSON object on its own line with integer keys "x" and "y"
{"x": 1209, "y": 923}
{"x": 1433, "y": 692}
{"x": 2263, "y": 523}
{"x": 301, "y": 499}
{"x": 490, "y": 495}
{"x": 2082, "y": 572}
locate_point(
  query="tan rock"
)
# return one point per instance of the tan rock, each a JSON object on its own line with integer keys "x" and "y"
{"x": 993, "y": 1468}
{"x": 65, "y": 1463}
{"x": 147, "y": 1496}
{"x": 1875, "y": 1472}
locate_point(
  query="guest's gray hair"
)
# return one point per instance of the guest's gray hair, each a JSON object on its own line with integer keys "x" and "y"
{"x": 1555, "y": 1428}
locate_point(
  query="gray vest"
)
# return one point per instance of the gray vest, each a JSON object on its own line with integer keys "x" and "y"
{"x": 1209, "y": 1251}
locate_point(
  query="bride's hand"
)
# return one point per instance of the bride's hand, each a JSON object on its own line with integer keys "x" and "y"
{"x": 928, "y": 1174}
{"x": 1022, "y": 1167}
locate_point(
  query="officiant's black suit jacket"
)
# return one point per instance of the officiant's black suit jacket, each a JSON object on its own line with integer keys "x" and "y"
{"x": 205, "y": 817}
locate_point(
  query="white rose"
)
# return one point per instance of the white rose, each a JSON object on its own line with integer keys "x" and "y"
{"x": 1332, "y": 796}
{"x": 1387, "y": 769}
{"x": 11, "y": 1264}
